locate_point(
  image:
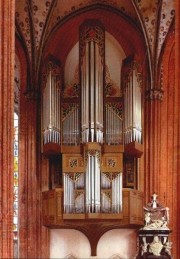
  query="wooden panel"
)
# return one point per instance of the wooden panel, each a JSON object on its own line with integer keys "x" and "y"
{"x": 136, "y": 207}
{"x": 45, "y": 207}
{"x": 125, "y": 203}
{"x": 59, "y": 205}
{"x": 125, "y": 208}
{"x": 92, "y": 146}
{"x": 112, "y": 162}
{"x": 134, "y": 149}
{"x": 97, "y": 216}
{"x": 51, "y": 149}
{"x": 113, "y": 148}
{"x": 73, "y": 163}
{"x": 104, "y": 216}
{"x": 140, "y": 203}
{"x": 132, "y": 213}
{"x": 52, "y": 211}
{"x": 74, "y": 216}
{"x": 52, "y": 202}
{"x": 71, "y": 149}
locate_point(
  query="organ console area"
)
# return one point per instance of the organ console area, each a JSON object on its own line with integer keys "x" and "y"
{"x": 92, "y": 132}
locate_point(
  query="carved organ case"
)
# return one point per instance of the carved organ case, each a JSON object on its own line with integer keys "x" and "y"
{"x": 84, "y": 117}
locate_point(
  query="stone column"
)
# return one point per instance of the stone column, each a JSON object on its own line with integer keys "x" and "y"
{"x": 7, "y": 28}
{"x": 33, "y": 237}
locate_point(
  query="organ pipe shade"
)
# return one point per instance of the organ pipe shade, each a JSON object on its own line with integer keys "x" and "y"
{"x": 132, "y": 105}
{"x": 91, "y": 70}
{"x": 51, "y": 109}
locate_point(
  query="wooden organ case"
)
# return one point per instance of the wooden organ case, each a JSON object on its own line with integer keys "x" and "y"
{"x": 87, "y": 124}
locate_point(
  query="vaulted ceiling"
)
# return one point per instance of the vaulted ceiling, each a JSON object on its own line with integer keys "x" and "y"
{"x": 37, "y": 20}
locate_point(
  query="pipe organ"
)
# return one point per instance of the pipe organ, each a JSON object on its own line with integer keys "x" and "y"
{"x": 89, "y": 126}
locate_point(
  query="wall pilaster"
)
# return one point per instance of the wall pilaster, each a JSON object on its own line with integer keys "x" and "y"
{"x": 7, "y": 11}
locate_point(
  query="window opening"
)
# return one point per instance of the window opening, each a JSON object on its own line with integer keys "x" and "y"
{"x": 15, "y": 201}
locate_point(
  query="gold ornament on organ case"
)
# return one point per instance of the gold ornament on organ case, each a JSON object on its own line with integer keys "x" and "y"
{"x": 111, "y": 163}
{"x": 73, "y": 163}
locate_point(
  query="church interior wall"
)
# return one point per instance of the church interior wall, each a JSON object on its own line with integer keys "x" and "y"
{"x": 158, "y": 168}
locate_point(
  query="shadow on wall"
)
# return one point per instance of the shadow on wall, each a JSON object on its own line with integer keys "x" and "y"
{"x": 72, "y": 244}
{"x": 118, "y": 244}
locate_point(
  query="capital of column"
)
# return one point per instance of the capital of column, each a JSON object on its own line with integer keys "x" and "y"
{"x": 155, "y": 94}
